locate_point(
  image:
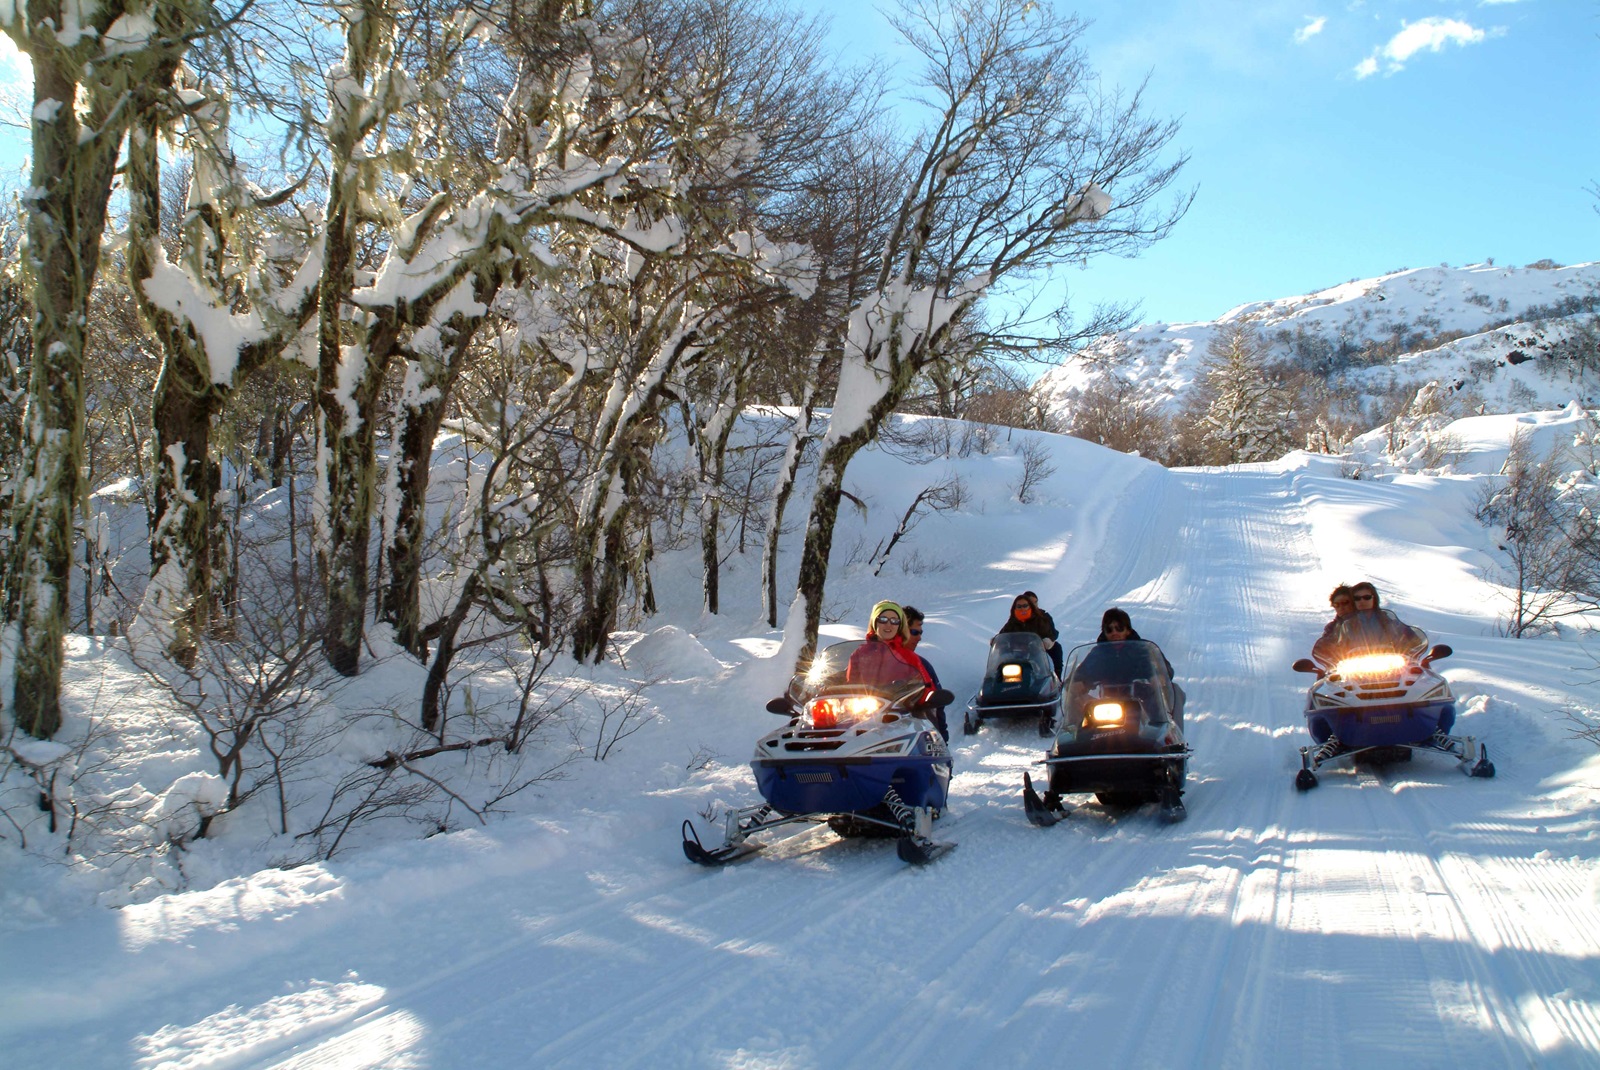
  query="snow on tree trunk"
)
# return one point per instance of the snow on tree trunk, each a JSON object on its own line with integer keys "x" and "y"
{"x": 407, "y": 490}
{"x": 85, "y": 95}
{"x": 711, "y": 452}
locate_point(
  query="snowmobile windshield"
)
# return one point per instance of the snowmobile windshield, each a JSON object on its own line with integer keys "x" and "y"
{"x": 1018, "y": 648}
{"x": 1117, "y": 663}
{"x": 877, "y": 668}
{"x": 1134, "y": 666}
{"x": 1375, "y": 631}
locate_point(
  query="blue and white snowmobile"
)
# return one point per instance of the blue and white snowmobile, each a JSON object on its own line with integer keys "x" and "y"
{"x": 1120, "y": 736}
{"x": 1019, "y": 682}
{"x": 868, "y": 761}
{"x": 1381, "y": 706}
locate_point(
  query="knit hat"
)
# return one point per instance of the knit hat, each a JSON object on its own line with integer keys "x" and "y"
{"x": 891, "y": 607}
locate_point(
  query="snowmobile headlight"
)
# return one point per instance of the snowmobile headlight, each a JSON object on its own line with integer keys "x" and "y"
{"x": 1371, "y": 665}
{"x": 1011, "y": 674}
{"x": 833, "y": 712}
{"x": 1104, "y": 713}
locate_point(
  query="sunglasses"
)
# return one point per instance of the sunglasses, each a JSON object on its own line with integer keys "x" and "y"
{"x": 1342, "y": 603}
{"x": 889, "y": 620}
{"x": 916, "y": 631}
{"x": 1116, "y": 627}
{"x": 1366, "y": 597}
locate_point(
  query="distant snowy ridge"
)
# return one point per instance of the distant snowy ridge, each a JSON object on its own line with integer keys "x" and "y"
{"x": 1481, "y": 327}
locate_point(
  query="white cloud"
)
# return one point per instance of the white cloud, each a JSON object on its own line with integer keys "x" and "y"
{"x": 1313, "y": 26}
{"x": 1431, "y": 33}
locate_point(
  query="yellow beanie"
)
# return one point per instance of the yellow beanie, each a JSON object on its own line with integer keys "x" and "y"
{"x": 893, "y": 607}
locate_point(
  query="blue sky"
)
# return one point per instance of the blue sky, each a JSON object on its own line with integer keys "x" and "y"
{"x": 1328, "y": 141}
{"x": 1332, "y": 141}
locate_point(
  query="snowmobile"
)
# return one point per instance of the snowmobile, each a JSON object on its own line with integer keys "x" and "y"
{"x": 1019, "y": 682}
{"x": 1120, "y": 735}
{"x": 867, "y": 761}
{"x": 1379, "y": 707}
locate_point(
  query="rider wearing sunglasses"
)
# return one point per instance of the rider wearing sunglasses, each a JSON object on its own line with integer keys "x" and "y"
{"x": 885, "y": 657}
{"x": 1026, "y": 616}
{"x": 914, "y": 623}
{"x": 1363, "y": 627}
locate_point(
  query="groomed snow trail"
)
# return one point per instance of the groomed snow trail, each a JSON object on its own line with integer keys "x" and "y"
{"x": 1413, "y": 918}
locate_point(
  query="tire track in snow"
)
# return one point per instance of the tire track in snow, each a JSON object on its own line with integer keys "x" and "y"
{"x": 1113, "y": 941}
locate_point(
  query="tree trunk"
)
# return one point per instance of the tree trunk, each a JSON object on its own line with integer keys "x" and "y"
{"x": 439, "y": 669}
{"x": 819, "y": 535}
{"x": 400, "y": 604}
{"x": 713, "y": 467}
{"x": 346, "y": 443}
{"x": 71, "y": 183}
{"x": 780, "y": 502}
{"x": 606, "y": 578}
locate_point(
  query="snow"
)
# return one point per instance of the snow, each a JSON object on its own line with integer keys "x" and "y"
{"x": 1462, "y": 312}
{"x": 1410, "y": 918}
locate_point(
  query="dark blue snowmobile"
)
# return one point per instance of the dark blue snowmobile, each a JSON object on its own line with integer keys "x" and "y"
{"x": 1381, "y": 706}
{"x": 867, "y": 760}
{"x": 1018, "y": 682}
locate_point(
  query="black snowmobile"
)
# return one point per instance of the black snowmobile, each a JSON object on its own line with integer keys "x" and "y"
{"x": 1019, "y": 682}
{"x": 1121, "y": 736}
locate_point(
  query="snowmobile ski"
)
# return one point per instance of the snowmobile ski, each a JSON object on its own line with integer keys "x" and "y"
{"x": 919, "y": 850}
{"x": 1039, "y": 812}
{"x": 1172, "y": 808}
{"x": 695, "y": 851}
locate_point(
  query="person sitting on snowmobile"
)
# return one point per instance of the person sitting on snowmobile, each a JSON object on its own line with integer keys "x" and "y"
{"x": 1026, "y": 616}
{"x": 1369, "y": 629}
{"x": 885, "y": 659}
{"x": 914, "y": 623}
{"x": 1342, "y": 599}
{"x": 1116, "y": 628}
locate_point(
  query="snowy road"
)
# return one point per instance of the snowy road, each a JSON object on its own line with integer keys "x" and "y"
{"x": 1416, "y": 918}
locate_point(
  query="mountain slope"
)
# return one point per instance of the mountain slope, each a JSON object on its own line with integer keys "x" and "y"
{"x": 1492, "y": 330}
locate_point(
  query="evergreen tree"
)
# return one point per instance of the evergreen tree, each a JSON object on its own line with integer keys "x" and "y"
{"x": 1240, "y": 413}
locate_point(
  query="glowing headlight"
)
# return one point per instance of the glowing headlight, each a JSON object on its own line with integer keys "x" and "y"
{"x": 1371, "y": 665}
{"x": 1011, "y": 674}
{"x": 1106, "y": 713}
{"x": 832, "y": 712}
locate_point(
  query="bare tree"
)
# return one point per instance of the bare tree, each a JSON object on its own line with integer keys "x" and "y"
{"x": 1025, "y": 165}
{"x": 1549, "y": 536}
{"x": 1123, "y": 414}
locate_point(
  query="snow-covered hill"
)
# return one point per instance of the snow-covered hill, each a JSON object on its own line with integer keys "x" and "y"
{"x": 1415, "y": 918}
{"x": 1483, "y": 328}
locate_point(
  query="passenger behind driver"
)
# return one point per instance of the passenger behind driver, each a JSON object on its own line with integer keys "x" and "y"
{"x": 1324, "y": 650}
{"x": 914, "y": 624}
